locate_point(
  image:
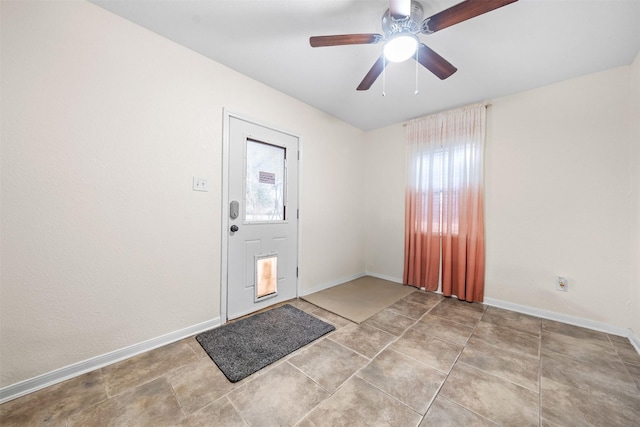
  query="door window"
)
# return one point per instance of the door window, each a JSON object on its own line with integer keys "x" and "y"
{"x": 265, "y": 182}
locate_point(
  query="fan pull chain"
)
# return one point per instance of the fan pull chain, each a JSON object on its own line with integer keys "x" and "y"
{"x": 417, "y": 90}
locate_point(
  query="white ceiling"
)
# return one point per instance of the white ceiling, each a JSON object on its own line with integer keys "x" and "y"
{"x": 521, "y": 46}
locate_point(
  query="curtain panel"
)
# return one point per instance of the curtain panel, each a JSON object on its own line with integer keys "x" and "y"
{"x": 444, "y": 203}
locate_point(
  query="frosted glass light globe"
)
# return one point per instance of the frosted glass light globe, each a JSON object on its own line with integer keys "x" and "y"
{"x": 400, "y": 48}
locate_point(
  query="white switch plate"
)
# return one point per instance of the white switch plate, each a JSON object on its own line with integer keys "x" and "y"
{"x": 200, "y": 184}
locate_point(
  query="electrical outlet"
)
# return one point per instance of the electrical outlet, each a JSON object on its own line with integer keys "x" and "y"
{"x": 562, "y": 284}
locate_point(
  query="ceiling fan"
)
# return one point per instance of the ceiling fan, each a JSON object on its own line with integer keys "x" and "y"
{"x": 401, "y": 24}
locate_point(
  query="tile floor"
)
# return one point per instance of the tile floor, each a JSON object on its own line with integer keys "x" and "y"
{"x": 424, "y": 361}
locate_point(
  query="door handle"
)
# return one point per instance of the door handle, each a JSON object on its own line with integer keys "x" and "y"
{"x": 234, "y": 228}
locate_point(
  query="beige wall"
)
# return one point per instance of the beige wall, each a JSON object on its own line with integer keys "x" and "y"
{"x": 557, "y": 180}
{"x": 104, "y": 244}
{"x": 557, "y": 199}
{"x": 385, "y": 177}
{"x": 634, "y": 112}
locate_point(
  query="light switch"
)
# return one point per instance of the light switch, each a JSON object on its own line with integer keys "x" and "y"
{"x": 200, "y": 184}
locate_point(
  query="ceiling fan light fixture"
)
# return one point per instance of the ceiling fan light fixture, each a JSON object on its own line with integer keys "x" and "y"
{"x": 401, "y": 47}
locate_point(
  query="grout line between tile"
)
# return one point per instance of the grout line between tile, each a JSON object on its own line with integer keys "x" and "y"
{"x": 369, "y": 360}
{"x": 235, "y": 408}
{"x": 540, "y": 377}
{"x": 314, "y": 381}
{"x": 389, "y": 395}
{"x": 453, "y": 365}
{"x": 175, "y": 396}
{"x": 467, "y": 409}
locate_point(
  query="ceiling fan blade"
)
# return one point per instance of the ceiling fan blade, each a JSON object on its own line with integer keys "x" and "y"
{"x": 461, "y": 12}
{"x": 434, "y": 62}
{"x": 373, "y": 73}
{"x": 399, "y": 9}
{"x": 344, "y": 39}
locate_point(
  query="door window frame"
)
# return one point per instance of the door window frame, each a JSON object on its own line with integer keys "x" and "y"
{"x": 285, "y": 177}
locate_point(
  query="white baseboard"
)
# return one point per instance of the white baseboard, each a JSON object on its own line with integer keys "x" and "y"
{"x": 347, "y": 279}
{"x": 328, "y": 285}
{"x": 383, "y": 277}
{"x": 50, "y": 378}
{"x": 635, "y": 341}
{"x": 566, "y": 318}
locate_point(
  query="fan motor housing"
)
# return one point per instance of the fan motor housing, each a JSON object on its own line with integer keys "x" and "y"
{"x": 411, "y": 24}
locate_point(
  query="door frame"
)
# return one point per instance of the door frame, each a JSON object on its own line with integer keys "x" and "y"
{"x": 224, "y": 223}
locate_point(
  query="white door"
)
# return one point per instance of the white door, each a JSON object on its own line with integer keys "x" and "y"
{"x": 262, "y": 217}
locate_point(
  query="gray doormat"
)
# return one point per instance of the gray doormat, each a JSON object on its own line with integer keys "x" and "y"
{"x": 248, "y": 345}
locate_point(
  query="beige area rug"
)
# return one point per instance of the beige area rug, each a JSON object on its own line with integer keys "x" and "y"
{"x": 359, "y": 299}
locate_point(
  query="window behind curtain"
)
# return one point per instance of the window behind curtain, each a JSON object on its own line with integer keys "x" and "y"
{"x": 443, "y": 167}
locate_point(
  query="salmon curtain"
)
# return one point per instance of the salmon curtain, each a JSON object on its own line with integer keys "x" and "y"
{"x": 422, "y": 205}
{"x": 444, "y": 203}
